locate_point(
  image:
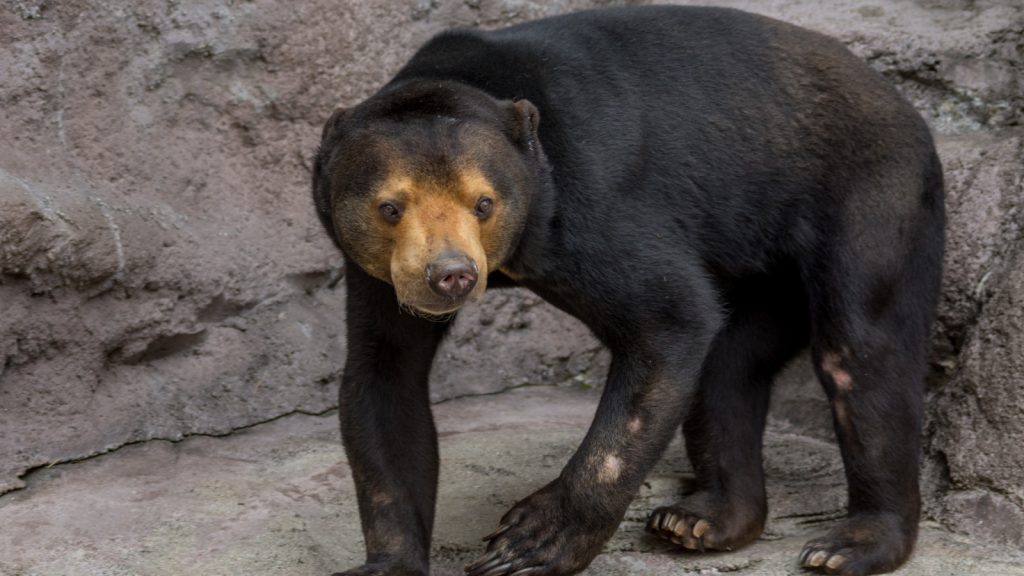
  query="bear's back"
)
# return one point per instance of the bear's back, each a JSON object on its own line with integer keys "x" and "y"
{"x": 710, "y": 115}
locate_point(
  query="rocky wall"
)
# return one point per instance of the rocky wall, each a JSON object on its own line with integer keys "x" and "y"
{"x": 162, "y": 273}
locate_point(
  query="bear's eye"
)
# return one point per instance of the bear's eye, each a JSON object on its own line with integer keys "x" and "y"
{"x": 390, "y": 212}
{"x": 484, "y": 207}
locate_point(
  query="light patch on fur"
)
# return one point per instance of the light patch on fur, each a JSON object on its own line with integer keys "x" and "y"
{"x": 845, "y": 424}
{"x": 381, "y": 499}
{"x": 610, "y": 469}
{"x": 844, "y": 385}
{"x": 842, "y": 378}
{"x": 635, "y": 424}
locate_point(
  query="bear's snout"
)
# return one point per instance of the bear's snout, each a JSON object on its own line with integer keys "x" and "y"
{"x": 452, "y": 275}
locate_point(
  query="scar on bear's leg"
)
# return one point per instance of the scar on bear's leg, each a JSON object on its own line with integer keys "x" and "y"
{"x": 610, "y": 469}
{"x": 841, "y": 378}
{"x": 844, "y": 385}
{"x": 634, "y": 425}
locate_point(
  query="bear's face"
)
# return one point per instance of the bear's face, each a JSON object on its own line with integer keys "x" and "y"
{"x": 429, "y": 205}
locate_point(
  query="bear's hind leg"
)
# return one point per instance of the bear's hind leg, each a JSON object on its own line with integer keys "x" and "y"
{"x": 767, "y": 326}
{"x": 876, "y": 387}
{"x": 872, "y": 306}
{"x": 876, "y": 390}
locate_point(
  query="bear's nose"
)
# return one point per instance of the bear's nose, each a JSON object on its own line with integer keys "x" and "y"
{"x": 452, "y": 276}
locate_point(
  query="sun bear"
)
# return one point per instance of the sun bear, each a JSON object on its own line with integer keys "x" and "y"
{"x": 709, "y": 192}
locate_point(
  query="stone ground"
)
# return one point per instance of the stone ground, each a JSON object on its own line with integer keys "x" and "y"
{"x": 277, "y": 498}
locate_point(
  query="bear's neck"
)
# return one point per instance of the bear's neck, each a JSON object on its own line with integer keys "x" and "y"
{"x": 530, "y": 258}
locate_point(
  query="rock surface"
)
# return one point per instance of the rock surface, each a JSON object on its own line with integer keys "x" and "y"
{"x": 162, "y": 273}
{"x": 977, "y": 424}
{"x": 161, "y": 269}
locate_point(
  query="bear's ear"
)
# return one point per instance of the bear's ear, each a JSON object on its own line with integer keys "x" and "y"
{"x": 332, "y": 123}
{"x": 523, "y": 122}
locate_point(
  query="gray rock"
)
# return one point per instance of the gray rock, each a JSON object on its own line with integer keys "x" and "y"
{"x": 977, "y": 428}
{"x": 161, "y": 269}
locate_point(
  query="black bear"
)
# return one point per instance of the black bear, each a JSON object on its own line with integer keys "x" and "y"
{"x": 709, "y": 191}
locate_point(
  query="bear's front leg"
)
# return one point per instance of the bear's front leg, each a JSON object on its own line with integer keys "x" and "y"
{"x": 559, "y": 529}
{"x": 387, "y": 427}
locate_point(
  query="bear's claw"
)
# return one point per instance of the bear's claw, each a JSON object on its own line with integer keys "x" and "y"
{"x": 822, "y": 560}
{"x": 481, "y": 561}
{"x": 501, "y": 530}
{"x": 683, "y": 529}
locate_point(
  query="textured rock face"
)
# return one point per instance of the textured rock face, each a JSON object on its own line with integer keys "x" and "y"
{"x": 162, "y": 273}
{"x": 975, "y": 474}
{"x": 978, "y": 425}
{"x": 161, "y": 269}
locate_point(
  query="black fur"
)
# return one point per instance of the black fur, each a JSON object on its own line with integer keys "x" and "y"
{"x": 710, "y": 191}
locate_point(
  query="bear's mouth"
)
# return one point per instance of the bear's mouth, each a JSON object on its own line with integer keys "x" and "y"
{"x": 438, "y": 309}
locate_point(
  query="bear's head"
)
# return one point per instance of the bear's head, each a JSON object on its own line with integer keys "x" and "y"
{"x": 427, "y": 186}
